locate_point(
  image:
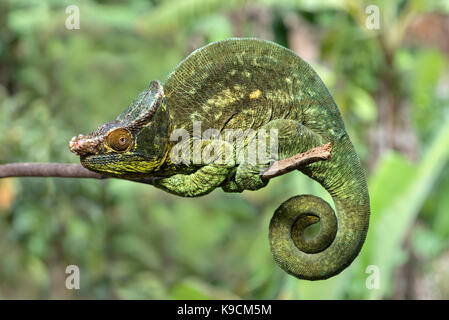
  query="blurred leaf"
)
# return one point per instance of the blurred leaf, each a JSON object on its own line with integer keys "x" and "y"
{"x": 427, "y": 243}
{"x": 364, "y": 106}
{"x": 195, "y": 289}
{"x": 390, "y": 223}
{"x": 144, "y": 285}
{"x": 215, "y": 28}
{"x": 173, "y": 14}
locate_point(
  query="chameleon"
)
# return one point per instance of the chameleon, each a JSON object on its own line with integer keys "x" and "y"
{"x": 261, "y": 90}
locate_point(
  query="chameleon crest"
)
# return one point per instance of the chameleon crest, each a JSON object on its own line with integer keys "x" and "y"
{"x": 252, "y": 87}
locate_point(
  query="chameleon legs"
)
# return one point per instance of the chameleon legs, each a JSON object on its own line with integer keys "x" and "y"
{"x": 204, "y": 180}
{"x": 199, "y": 183}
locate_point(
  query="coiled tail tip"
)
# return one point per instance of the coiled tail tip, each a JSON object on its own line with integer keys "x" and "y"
{"x": 317, "y": 258}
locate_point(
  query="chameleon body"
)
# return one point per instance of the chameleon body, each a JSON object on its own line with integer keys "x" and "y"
{"x": 245, "y": 84}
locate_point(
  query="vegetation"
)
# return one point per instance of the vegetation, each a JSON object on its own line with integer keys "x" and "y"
{"x": 132, "y": 241}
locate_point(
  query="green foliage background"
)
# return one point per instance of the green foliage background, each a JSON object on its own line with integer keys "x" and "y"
{"x": 132, "y": 241}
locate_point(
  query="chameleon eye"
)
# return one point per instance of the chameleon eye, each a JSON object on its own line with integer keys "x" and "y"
{"x": 119, "y": 139}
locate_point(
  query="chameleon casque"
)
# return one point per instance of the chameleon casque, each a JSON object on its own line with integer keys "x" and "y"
{"x": 245, "y": 84}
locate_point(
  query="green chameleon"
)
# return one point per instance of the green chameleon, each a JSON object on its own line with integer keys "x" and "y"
{"x": 258, "y": 90}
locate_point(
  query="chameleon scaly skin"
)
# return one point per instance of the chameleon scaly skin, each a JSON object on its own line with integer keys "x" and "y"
{"x": 245, "y": 84}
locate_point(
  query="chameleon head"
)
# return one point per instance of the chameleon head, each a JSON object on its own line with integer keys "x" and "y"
{"x": 134, "y": 144}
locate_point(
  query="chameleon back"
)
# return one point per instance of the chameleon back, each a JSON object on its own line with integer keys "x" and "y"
{"x": 234, "y": 80}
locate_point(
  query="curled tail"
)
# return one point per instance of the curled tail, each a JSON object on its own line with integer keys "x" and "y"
{"x": 341, "y": 236}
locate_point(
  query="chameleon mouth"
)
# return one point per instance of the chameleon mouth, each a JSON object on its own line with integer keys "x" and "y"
{"x": 102, "y": 163}
{"x": 119, "y": 165}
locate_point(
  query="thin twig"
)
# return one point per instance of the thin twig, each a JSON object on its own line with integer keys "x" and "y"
{"x": 66, "y": 170}
{"x": 299, "y": 160}
{"x": 37, "y": 169}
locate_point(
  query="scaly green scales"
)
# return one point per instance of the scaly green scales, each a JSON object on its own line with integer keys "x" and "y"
{"x": 245, "y": 84}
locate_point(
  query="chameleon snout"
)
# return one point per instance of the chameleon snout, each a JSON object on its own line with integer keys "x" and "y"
{"x": 85, "y": 145}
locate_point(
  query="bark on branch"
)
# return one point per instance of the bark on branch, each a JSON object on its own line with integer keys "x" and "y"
{"x": 36, "y": 169}
{"x": 66, "y": 170}
{"x": 299, "y": 160}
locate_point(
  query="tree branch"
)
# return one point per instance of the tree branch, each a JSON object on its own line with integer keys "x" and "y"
{"x": 36, "y": 169}
{"x": 299, "y": 160}
{"x": 66, "y": 170}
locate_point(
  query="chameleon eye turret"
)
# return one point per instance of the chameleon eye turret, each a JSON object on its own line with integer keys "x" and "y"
{"x": 119, "y": 140}
{"x": 247, "y": 85}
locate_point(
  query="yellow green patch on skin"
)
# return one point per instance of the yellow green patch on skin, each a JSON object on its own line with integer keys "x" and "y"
{"x": 255, "y": 94}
